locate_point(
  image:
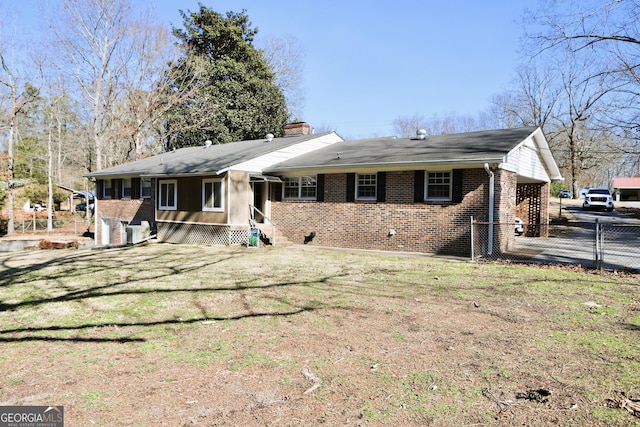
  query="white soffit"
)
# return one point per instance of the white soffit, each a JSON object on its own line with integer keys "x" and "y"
{"x": 258, "y": 164}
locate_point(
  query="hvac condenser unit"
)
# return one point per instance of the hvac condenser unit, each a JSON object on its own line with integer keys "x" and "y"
{"x": 138, "y": 233}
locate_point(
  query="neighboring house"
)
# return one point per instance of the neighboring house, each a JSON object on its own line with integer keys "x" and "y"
{"x": 626, "y": 189}
{"x": 399, "y": 194}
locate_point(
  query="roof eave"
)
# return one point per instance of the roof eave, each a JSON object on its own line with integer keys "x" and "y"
{"x": 390, "y": 166}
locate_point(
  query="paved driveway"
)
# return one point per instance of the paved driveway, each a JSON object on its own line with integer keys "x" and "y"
{"x": 574, "y": 243}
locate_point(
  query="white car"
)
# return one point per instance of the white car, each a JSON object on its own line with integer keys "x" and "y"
{"x": 598, "y": 198}
{"x": 519, "y": 226}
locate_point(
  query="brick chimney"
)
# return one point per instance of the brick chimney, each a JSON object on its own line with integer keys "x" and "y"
{"x": 297, "y": 128}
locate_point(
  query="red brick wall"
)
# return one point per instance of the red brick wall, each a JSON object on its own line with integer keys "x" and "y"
{"x": 506, "y": 184}
{"x": 428, "y": 227}
{"x": 132, "y": 211}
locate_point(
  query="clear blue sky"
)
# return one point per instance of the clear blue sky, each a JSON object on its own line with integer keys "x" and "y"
{"x": 369, "y": 63}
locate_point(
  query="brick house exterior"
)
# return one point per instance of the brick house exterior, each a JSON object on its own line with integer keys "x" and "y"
{"x": 411, "y": 194}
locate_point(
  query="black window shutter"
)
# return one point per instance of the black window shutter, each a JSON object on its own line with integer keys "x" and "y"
{"x": 99, "y": 187}
{"x": 277, "y": 191}
{"x": 381, "y": 182}
{"x": 351, "y": 187}
{"x": 135, "y": 188}
{"x": 418, "y": 186}
{"x": 116, "y": 188}
{"x": 456, "y": 189}
{"x": 320, "y": 187}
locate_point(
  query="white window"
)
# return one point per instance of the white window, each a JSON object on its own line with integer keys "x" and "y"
{"x": 106, "y": 189}
{"x": 366, "y": 186}
{"x": 145, "y": 188}
{"x": 300, "y": 187}
{"x": 168, "y": 197}
{"x": 212, "y": 195}
{"x": 438, "y": 185}
{"x": 126, "y": 188}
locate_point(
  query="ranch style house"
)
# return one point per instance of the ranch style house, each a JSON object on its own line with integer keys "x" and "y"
{"x": 395, "y": 194}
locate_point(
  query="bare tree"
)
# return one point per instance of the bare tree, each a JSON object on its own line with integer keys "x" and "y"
{"x": 587, "y": 99}
{"x": 605, "y": 32}
{"x": 286, "y": 56}
{"x": 531, "y": 101}
{"x": 144, "y": 99}
{"x": 91, "y": 34}
{"x": 16, "y": 98}
{"x": 407, "y": 126}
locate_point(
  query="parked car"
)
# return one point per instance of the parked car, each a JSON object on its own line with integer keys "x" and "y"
{"x": 519, "y": 228}
{"x": 583, "y": 192}
{"x": 565, "y": 194}
{"x": 598, "y": 198}
{"x": 83, "y": 206}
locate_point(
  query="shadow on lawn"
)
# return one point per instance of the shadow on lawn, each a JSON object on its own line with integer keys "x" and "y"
{"x": 149, "y": 269}
{"x": 126, "y": 325}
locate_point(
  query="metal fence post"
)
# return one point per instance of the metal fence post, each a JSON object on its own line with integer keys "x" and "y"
{"x": 601, "y": 246}
{"x": 596, "y": 246}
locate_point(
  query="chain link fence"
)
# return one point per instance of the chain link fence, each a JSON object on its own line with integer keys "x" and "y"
{"x": 28, "y": 226}
{"x": 600, "y": 245}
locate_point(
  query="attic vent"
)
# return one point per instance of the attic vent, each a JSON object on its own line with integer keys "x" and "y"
{"x": 207, "y": 143}
{"x": 421, "y": 133}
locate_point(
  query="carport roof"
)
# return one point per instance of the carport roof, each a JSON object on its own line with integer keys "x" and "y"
{"x": 622, "y": 182}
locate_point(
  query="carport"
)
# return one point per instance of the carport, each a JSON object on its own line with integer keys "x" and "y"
{"x": 626, "y": 189}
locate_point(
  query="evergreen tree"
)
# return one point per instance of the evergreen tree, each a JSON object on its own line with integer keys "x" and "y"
{"x": 233, "y": 91}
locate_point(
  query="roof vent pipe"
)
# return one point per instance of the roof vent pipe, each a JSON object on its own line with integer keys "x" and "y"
{"x": 269, "y": 137}
{"x": 207, "y": 143}
{"x": 421, "y": 133}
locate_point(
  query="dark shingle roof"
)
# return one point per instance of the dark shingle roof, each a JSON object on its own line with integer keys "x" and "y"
{"x": 201, "y": 160}
{"x": 471, "y": 147}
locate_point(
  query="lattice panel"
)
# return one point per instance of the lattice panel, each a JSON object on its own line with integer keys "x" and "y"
{"x": 200, "y": 234}
{"x": 528, "y": 199}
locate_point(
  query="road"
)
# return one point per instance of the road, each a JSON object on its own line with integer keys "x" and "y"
{"x": 574, "y": 243}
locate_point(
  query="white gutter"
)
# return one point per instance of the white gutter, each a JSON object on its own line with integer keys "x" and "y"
{"x": 491, "y": 203}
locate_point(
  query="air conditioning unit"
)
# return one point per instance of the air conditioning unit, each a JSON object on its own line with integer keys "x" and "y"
{"x": 138, "y": 233}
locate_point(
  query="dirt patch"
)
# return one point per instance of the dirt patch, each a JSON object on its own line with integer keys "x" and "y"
{"x": 179, "y": 335}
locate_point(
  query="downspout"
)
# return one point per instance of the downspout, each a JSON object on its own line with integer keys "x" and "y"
{"x": 491, "y": 203}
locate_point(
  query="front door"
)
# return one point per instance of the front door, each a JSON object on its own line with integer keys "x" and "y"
{"x": 106, "y": 232}
{"x": 258, "y": 199}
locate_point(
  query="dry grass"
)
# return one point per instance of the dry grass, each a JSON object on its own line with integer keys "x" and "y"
{"x": 181, "y": 335}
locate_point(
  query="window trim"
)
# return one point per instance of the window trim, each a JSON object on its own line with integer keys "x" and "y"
{"x": 173, "y": 207}
{"x": 213, "y": 181}
{"x": 124, "y": 195}
{"x": 105, "y": 187}
{"x": 426, "y": 186}
{"x": 142, "y": 186}
{"x": 299, "y": 187}
{"x": 374, "y": 185}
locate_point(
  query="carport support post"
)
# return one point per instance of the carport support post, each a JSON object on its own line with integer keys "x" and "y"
{"x": 472, "y": 255}
{"x": 491, "y": 203}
